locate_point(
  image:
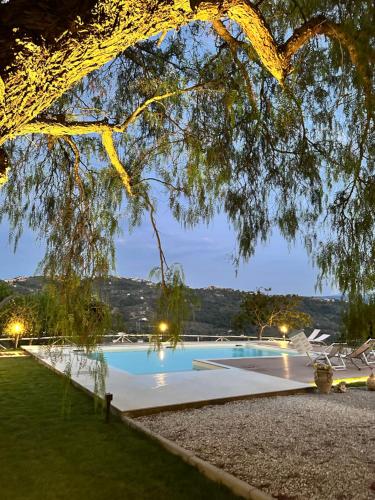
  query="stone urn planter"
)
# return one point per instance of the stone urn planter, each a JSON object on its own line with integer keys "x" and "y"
{"x": 323, "y": 378}
{"x": 371, "y": 382}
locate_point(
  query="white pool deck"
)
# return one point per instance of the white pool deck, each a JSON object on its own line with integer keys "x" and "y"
{"x": 142, "y": 394}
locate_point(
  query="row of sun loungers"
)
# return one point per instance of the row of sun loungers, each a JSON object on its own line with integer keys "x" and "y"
{"x": 314, "y": 338}
{"x": 337, "y": 354}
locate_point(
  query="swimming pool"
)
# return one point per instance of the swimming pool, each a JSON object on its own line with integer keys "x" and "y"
{"x": 142, "y": 361}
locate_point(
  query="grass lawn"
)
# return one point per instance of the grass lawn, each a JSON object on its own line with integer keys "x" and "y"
{"x": 46, "y": 456}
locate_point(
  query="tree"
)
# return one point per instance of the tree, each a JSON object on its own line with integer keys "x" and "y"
{"x": 358, "y": 319}
{"x": 19, "y": 317}
{"x": 266, "y": 311}
{"x": 50, "y": 312}
{"x": 5, "y": 290}
{"x": 271, "y": 122}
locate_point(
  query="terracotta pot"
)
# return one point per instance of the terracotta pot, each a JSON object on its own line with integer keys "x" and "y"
{"x": 371, "y": 382}
{"x": 323, "y": 380}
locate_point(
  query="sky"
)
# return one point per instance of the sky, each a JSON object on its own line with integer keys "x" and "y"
{"x": 204, "y": 252}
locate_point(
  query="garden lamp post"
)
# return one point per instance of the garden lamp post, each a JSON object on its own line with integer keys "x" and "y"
{"x": 163, "y": 328}
{"x": 284, "y": 330}
{"x": 16, "y": 329}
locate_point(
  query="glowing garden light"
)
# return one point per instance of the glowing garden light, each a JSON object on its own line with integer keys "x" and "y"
{"x": 163, "y": 327}
{"x": 284, "y": 330}
{"x": 16, "y": 329}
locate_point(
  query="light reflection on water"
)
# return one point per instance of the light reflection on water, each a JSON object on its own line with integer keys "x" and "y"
{"x": 285, "y": 359}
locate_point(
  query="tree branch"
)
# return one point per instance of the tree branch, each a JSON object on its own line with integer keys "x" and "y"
{"x": 162, "y": 259}
{"x": 77, "y": 177}
{"x": 157, "y": 98}
{"x": 165, "y": 183}
{"x": 103, "y": 128}
{"x": 253, "y": 24}
{"x": 38, "y": 65}
{"x": 66, "y": 128}
{"x": 320, "y": 25}
{"x": 109, "y": 146}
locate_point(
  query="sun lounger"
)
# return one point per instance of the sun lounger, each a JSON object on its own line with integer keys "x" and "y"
{"x": 313, "y": 334}
{"x": 332, "y": 353}
{"x": 364, "y": 353}
{"x": 321, "y": 339}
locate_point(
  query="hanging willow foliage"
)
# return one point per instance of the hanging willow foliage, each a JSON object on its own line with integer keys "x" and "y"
{"x": 175, "y": 305}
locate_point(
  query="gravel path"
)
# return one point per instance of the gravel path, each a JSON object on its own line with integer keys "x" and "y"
{"x": 293, "y": 447}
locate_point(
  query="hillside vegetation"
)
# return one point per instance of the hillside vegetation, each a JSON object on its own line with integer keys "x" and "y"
{"x": 133, "y": 300}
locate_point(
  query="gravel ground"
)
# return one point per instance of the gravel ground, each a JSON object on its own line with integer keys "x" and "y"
{"x": 293, "y": 447}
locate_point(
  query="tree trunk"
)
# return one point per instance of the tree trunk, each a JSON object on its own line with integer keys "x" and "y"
{"x": 260, "y": 332}
{"x": 34, "y": 73}
{"x": 48, "y": 46}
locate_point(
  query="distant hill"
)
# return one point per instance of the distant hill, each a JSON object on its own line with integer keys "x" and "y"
{"x": 134, "y": 300}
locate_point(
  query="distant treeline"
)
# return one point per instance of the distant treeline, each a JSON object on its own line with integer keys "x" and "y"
{"x": 134, "y": 301}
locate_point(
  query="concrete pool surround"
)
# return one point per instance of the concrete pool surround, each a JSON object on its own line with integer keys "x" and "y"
{"x": 143, "y": 394}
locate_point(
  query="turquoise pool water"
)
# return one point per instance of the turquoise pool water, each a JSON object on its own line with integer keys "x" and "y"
{"x": 141, "y": 362}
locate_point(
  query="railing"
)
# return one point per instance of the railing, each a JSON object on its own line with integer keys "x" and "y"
{"x": 127, "y": 337}
{"x": 136, "y": 337}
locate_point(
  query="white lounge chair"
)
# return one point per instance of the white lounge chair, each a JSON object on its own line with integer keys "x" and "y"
{"x": 334, "y": 351}
{"x": 321, "y": 339}
{"x": 330, "y": 353}
{"x": 313, "y": 334}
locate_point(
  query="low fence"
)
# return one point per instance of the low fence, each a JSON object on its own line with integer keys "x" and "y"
{"x": 134, "y": 338}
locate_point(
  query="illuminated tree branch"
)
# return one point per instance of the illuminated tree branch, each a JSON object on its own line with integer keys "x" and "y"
{"x": 320, "y": 25}
{"x": 106, "y": 130}
{"x": 65, "y": 128}
{"x": 109, "y": 145}
{"x": 34, "y": 73}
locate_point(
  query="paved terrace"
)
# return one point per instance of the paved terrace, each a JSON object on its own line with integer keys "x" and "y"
{"x": 292, "y": 367}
